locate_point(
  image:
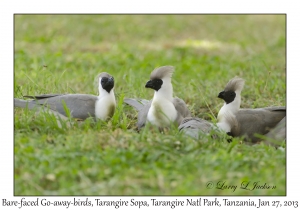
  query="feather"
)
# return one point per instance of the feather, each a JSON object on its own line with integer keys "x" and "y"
{"x": 162, "y": 72}
{"x": 235, "y": 84}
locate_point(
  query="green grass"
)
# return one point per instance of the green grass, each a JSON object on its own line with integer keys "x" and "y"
{"x": 64, "y": 53}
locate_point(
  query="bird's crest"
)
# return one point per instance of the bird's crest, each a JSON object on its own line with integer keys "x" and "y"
{"x": 235, "y": 84}
{"x": 103, "y": 74}
{"x": 161, "y": 72}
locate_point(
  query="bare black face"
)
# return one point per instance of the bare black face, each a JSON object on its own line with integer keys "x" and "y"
{"x": 227, "y": 96}
{"x": 107, "y": 83}
{"x": 154, "y": 84}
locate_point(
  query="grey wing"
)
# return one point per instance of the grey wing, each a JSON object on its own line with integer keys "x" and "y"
{"x": 138, "y": 104}
{"x": 142, "y": 106}
{"x": 81, "y": 106}
{"x": 182, "y": 110}
{"x": 278, "y": 133}
{"x": 196, "y": 123}
{"x": 273, "y": 108}
{"x": 142, "y": 115}
{"x": 258, "y": 121}
{"x": 195, "y": 127}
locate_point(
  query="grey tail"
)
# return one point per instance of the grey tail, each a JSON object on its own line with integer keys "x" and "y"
{"x": 24, "y": 103}
{"x": 44, "y": 96}
{"x": 138, "y": 104}
{"x": 29, "y": 104}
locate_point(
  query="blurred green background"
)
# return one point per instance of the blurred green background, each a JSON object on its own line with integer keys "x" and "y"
{"x": 64, "y": 53}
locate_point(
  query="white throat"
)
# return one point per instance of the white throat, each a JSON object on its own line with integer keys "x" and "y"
{"x": 106, "y": 104}
{"x": 232, "y": 107}
{"x": 166, "y": 90}
{"x": 162, "y": 111}
{"x": 228, "y": 109}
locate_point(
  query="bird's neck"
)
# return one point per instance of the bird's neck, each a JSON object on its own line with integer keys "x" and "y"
{"x": 103, "y": 93}
{"x": 165, "y": 92}
{"x": 228, "y": 110}
{"x": 162, "y": 111}
{"x": 105, "y": 105}
{"x": 232, "y": 107}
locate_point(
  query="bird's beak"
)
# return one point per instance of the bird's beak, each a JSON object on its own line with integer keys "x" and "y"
{"x": 149, "y": 84}
{"x": 111, "y": 81}
{"x": 221, "y": 95}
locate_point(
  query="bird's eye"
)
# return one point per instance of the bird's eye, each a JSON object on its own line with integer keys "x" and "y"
{"x": 104, "y": 80}
{"x": 232, "y": 94}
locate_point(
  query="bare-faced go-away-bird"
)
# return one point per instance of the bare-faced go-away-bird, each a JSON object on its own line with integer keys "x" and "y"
{"x": 250, "y": 121}
{"x": 163, "y": 109}
{"x": 81, "y": 106}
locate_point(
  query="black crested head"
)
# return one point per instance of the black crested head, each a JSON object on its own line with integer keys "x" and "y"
{"x": 107, "y": 83}
{"x": 154, "y": 84}
{"x": 227, "y": 96}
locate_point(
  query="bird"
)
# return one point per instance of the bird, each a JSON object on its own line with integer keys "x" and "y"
{"x": 250, "y": 122}
{"x": 163, "y": 110}
{"x": 81, "y": 106}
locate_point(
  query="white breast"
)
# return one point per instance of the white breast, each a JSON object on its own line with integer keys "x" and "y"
{"x": 162, "y": 114}
{"x": 224, "y": 126}
{"x": 104, "y": 106}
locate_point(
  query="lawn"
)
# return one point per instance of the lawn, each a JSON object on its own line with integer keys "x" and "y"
{"x": 64, "y": 54}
